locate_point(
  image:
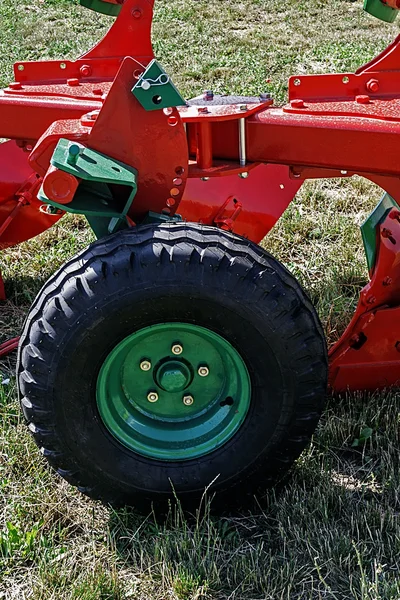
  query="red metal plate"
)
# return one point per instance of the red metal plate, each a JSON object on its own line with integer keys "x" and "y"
{"x": 29, "y": 220}
{"x": 153, "y": 142}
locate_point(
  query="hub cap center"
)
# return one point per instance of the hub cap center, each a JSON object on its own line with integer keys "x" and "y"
{"x": 173, "y": 376}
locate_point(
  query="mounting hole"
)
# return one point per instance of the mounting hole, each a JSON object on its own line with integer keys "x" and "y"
{"x": 170, "y": 202}
{"x": 166, "y": 211}
{"x": 116, "y": 169}
{"x": 168, "y": 111}
{"x": 21, "y": 67}
{"x": 345, "y": 79}
{"x": 63, "y": 66}
{"x": 343, "y": 172}
{"x": 156, "y": 99}
{"x": 227, "y": 402}
{"x": 296, "y": 82}
{"x": 172, "y": 120}
{"x": 179, "y": 170}
{"x": 137, "y": 73}
{"x": 174, "y": 192}
{"x": 177, "y": 181}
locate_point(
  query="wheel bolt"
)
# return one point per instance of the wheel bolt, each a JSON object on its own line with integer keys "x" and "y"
{"x": 145, "y": 365}
{"x": 177, "y": 349}
{"x": 188, "y": 400}
{"x": 152, "y": 396}
{"x": 203, "y": 371}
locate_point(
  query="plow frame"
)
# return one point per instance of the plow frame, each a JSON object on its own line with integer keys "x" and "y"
{"x": 235, "y": 163}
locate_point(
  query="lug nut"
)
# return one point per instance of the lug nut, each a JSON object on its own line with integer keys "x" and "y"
{"x": 188, "y": 400}
{"x": 152, "y": 396}
{"x": 177, "y": 349}
{"x": 145, "y": 365}
{"x": 203, "y": 371}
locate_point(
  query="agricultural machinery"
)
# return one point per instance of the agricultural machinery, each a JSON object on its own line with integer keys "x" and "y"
{"x": 174, "y": 351}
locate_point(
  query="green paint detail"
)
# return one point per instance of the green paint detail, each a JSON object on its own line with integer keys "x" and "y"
{"x": 155, "y": 90}
{"x": 153, "y": 217}
{"x": 168, "y": 429}
{"x": 105, "y": 211}
{"x": 369, "y": 227}
{"x": 381, "y": 11}
{"x": 104, "y": 8}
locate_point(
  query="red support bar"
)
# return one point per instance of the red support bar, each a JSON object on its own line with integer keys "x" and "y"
{"x": 8, "y": 347}
{"x": 204, "y": 155}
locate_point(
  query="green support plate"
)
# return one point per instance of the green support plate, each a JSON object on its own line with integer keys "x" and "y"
{"x": 369, "y": 227}
{"x": 105, "y": 213}
{"x": 381, "y": 11}
{"x": 155, "y": 90}
{"x": 105, "y": 8}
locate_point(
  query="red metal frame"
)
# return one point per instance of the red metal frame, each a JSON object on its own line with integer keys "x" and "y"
{"x": 334, "y": 125}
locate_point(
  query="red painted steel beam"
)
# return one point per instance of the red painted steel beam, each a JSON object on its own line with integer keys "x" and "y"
{"x": 28, "y": 117}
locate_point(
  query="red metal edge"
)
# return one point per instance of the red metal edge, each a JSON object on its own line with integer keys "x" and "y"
{"x": 8, "y": 347}
{"x": 367, "y": 356}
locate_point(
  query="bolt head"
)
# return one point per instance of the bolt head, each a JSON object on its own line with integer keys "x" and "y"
{"x": 203, "y": 371}
{"x": 177, "y": 349}
{"x": 372, "y": 85}
{"x": 152, "y": 396}
{"x": 188, "y": 400}
{"x": 145, "y": 365}
{"x": 85, "y": 70}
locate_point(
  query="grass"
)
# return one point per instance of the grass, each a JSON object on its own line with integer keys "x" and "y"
{"x": 333, "y": 531}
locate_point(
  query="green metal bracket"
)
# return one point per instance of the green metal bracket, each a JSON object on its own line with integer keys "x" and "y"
{"x": 153, "y": 217}
{"x": 381, "y": 11}
{"x": 155, "y": 90}
{"x": 105, "y": 8}
{"x": 105, "y": 209}
{"x": 369, "y": 227}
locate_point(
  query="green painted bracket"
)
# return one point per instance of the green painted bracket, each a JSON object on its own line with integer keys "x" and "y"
{"x": 369, "y": 227}
{"x": 105, "y": 8}
{"x": 381, "y": 11}
{"x": 105, "y": 210}
{"x": 155, "y": 90}
{"x": 153, "y": 217}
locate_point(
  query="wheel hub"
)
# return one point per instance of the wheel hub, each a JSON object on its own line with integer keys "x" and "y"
{"x": 173, "y": 391}
{"x": 173, "y": 376}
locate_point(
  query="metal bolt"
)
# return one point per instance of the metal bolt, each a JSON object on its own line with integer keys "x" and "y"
{"x": 188, "y": 400}
{"x": 85, "y": 70}
{"x": 73, "y": 152}
{"x": 152, "y": 396}
{"x": 177, "y": 349}
{"x": 208, "y": 95}
{"x": 362, "y": 99}
{"x": 243, "y": 107}
{"x": 145, "y": 365}
{"x": 203, "y": 371}
{"x": 372, "y": 85}
{"x": 297, "y": 103}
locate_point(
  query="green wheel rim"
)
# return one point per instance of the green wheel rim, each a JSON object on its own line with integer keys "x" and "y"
{"x": 173, "y": 391}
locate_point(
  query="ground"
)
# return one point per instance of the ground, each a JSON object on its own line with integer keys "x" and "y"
{"x": 333, "y": 531}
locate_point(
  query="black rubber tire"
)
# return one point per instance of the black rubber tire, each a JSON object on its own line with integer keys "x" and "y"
{"x": 171, "y": 272}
